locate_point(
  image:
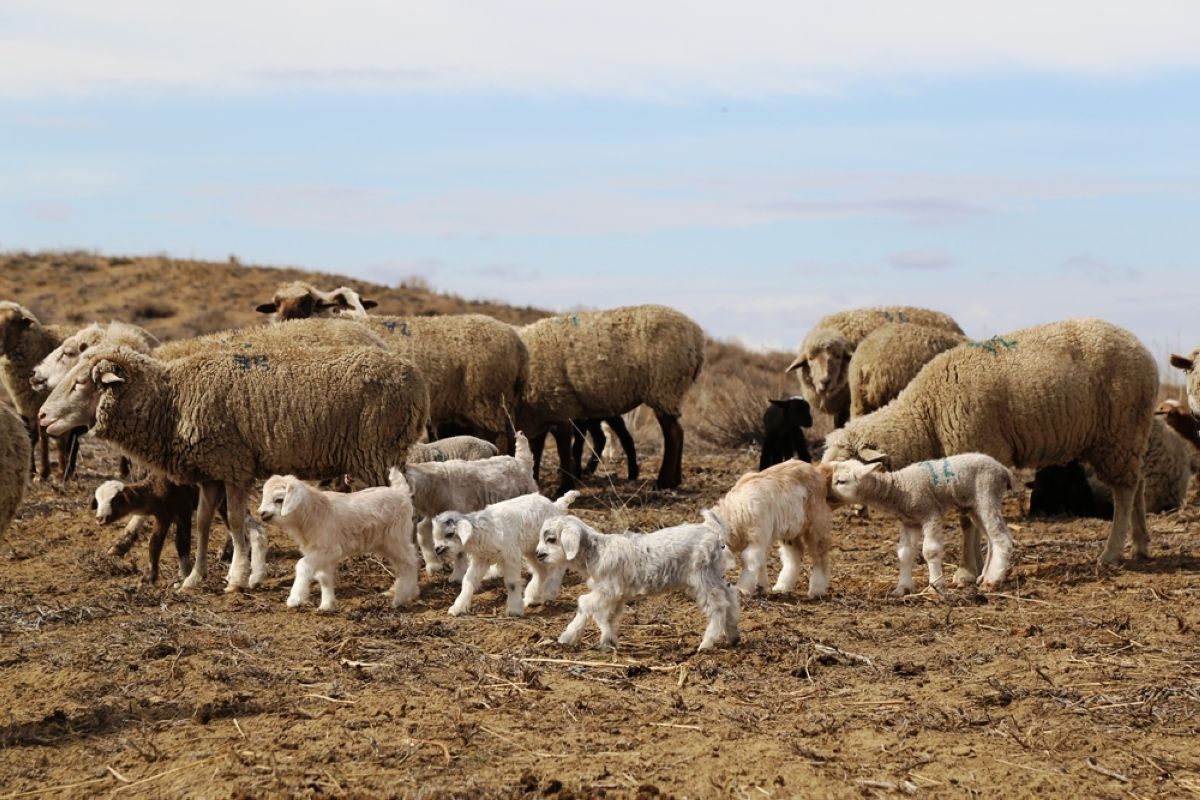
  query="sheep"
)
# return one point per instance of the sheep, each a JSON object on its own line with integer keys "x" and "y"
{"x": 439, "y": 486}
{"x": 1179, "y": 418}
{"x": 784, "y": 422}
{"x": 24, "y": 342}
{"x": 889, "y": 357}
{"x": 1048, "y": 394}
{"x": 1188, "y": 365}
{"x": 51, "y": 369}
{"x": 455, "y": 448}
{"x": 14, "y": 464}
{"x": 329, "y": 333}
{"x": 231, "y": 416}
{"x": 600, "y": 364}
{"x": 502, "y": 535}
{"x": 331, "y": 526}
{"x": 785, "y": 505}
{"x": 300, "y": 300}
{"x": 824, "y": 357}
{"x": 621, "y": 566}
{"x": 919, "y": 496}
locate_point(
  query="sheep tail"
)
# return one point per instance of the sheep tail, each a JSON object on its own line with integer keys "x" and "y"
{"x": 523, "y": 453}
{"x": 564, "y": 502}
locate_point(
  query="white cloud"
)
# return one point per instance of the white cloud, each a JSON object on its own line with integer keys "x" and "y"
{"x": 662, "y": 50}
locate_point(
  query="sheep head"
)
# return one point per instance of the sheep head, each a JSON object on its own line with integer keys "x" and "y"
{"x": 823, "y": 362}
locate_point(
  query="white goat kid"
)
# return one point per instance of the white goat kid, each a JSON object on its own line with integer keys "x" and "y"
{"x": 502, "y": 535}
{"x": 622, "y": 566}
{"x": 920, "y": 494}
{"x": 330, "y": 526}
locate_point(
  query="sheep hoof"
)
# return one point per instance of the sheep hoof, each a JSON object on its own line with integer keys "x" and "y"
{"x": 964, "y": 577}
{"x": 705, "y": 645}
{"x": 901, "y": 591}
{"x": 189, "y": 583}
{"x": 566, "y": 639}
{"x": 323, "y": 609}
{"x": 456, "y": 611}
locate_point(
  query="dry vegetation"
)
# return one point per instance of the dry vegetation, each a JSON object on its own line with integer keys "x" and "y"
{"x": 1070, "y": 683}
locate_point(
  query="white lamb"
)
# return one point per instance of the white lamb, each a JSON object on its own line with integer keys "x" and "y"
{"x": 622, "y": 566}
{"x": 504, "y": 534}
{"x": 330, "y": 526}
{"x": 920, "y": 494}
{"x": 786, "y": 505}
{"x": 439, "y": 486}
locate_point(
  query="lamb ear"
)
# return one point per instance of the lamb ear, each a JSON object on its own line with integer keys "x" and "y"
{"x": 465, "y": 530}
{"x": 874, "y": 466}
{"x": 1181, "y": 362}
{"x": 871, "y": 456}
{"x": 571, "y": 539}
{"x": 266, "y": 308}
{"x": 369, "y": 303}
{"x": 292, "y": 498}
{"x": 107, "y": 373}
{"x": 797, "y": 364}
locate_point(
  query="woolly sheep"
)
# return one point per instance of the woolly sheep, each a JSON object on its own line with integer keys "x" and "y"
{"x": 621, "y": 566}
{"x": 300, "y": 300}
{"x": 504, "y": 535}
{"x": 600, "y": 364}
{"x": 24, "y": 342}
{"x": 784, "y": 422}
{"x": 823, "y": 360}
{"x": 295, "y": 334}
{"x": 455, "y": 448}
{"x": 61, "y": 359}
{"x": 889, "y": 358}
{"x": 920, "y": 495}
{"x": 14, "y": 464}
{"x": 231, "y": 416}
{"x": 331, "y": 526}
{"x": 439, "y": 486}
{"x": 785, "y": 505}
{"x": 1188, "y": 365}
{"x": 1082, "y": 388}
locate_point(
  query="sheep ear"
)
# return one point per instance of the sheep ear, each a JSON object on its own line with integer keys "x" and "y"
{"x": 266, "y": 308}
{"x": 571, "y": 539}
{"x": 872, "y": 456}
{"x": 1180, "y": 362}
{"x": 107, "y": 373}
{"x": 465, "y": 530}
{"x": 369, "y": 303}
{"x": 292, "y": 498}
{"x": 797, "y": 364}
{"x": 874, "y": 466}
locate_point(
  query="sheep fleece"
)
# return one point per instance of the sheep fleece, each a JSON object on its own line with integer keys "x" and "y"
{"x": 889, "y": 358}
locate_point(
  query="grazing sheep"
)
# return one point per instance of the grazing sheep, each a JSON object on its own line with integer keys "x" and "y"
{"x": 51, "y": 369}
{"x": 891, "y": 356}
{"x": 502, "y": 535}
{"x": 232, "y": 416}
{"x": 824, "y": 357}
{"x": 14, "y": 464}
{"x": 1082, "y": 389}
{"x": 1188, "y": 365}
{"x": 784, "y": 422}
{"x": 920, "y": 495}
{"x": 785, "y": 505}
{"x": 622, "y": 566}
{"x": 455, "y": 448}
{"x": 600, "y": 364}
{"x": 300, "y": 300}
{"x": 331, "y": 526}
{"x": 439, "y": 486}
{"x": 24, "y": 342}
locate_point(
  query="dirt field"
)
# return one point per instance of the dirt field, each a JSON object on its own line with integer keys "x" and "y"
{"x": 1070, "y": 683}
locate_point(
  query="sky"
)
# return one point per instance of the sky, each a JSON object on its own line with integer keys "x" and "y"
{"x": 754, "y": 164}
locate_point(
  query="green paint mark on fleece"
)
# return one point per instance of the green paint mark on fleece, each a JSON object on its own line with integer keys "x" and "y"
{"x": 995, "y": 344}
{"x": 946, "y": 473}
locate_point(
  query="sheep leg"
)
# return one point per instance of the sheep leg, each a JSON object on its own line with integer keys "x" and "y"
{"x": 67, "y": 448}
{"x": 239, "y": 567}
{"x": 906, "y": 551}
{"x": 1122, "y": 520}
{"x": 933, "y": 549}
{"x": 433, "y": 564}
{"x": 399, "y": 552}
{"x": 535, "y": 590}
{"x": 599, "y": 441}
{"x": 585, "y": 607}
{"x": 324, "y": 574}
{"x": 514, "y": 584}
{"x": 259, "y": 544}
{"x": 670, "y": 475}
{"x": 626, "y": 439}
{"x": 1141, "y": 534}
{"x": 566, "y": 465}
{"x": 210, "y": 498}
{"x": 183, "y": 540}
{"x": 43, "y": 454}
{"x": 579, "y": 431}
{"x": 470, "y": 584}
{"x": 818, "y": 579}
{"x": 302, "y": 585}
{"x": 713, "y": 600}
{"x": 133, "y": 529}
{"x": 537, "y": 444}
{"x": 754, "y": 573}
{"x": 790, "y": 554}
{"x": 970, "y": 569}
{"x": 608, "y": 619}
{"x": 1000, "y": 547}
{"x": 156, "y": 545}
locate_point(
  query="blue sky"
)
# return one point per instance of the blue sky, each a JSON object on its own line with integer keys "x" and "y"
{"x": 756, "y": 165}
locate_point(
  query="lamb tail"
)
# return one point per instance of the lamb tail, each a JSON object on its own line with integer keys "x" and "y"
{"x": 564, "y": 502}
{"x": 523, "y": 453}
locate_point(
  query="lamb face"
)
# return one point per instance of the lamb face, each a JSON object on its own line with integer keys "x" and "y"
{"x": 451, "y": 531}
{"x": 102, "y": 501}
{"x": 847, "y": 477}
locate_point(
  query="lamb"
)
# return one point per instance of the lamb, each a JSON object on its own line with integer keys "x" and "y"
{"x": 330, "y": 526}
{"x": 824, "y": 357}
{"x": 920, "y": 495}
{"x": 455, "y": 448}
{"x": 228, "y": 416}
{"x": 600, "y": 364}
{"x": 14, "y": 464}
{"x": 784, "y": 422}
{"x": 51, "y": 369}
{"x": 622, "y": 566}
{"x": 1082, "y": 388}
{"x": 439, "y": 486}
{"x": 300, "y": 300}
{"x": 889, "y": 358}
{"x": 785, "y": 505}
{"x": 502, "y": 535}
{"x": 24, "y": 342}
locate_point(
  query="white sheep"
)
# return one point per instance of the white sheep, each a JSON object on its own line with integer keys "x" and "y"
{"x": 301, "y": 300}
{"x": 439, "y": 486}
{"x": 920, "y": 495}
{"x": 786, "y": 505}
{"x": 14, "y": 464}
{"x": 453, "y": 448}
{"x": 331, "y": 526}
{"x": 503, "y": 535}
{"x": 622, "y": 566}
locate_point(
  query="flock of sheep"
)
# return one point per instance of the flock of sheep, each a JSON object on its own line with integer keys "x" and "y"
{"x": 928, "y": 422}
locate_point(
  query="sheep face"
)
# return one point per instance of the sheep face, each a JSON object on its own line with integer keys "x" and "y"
{"x": 847, "y": 478}
{"x": 451, "y": 532}
{"x": 102, "y": 502}
{"x": 282, "y": 496}
{"x": 50, "y": 371}
{"x": 74, "y": 402}
{"x": 558, "y": 541}
{"x": 840, "y": 446}
{"x": 344, "y": 302}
